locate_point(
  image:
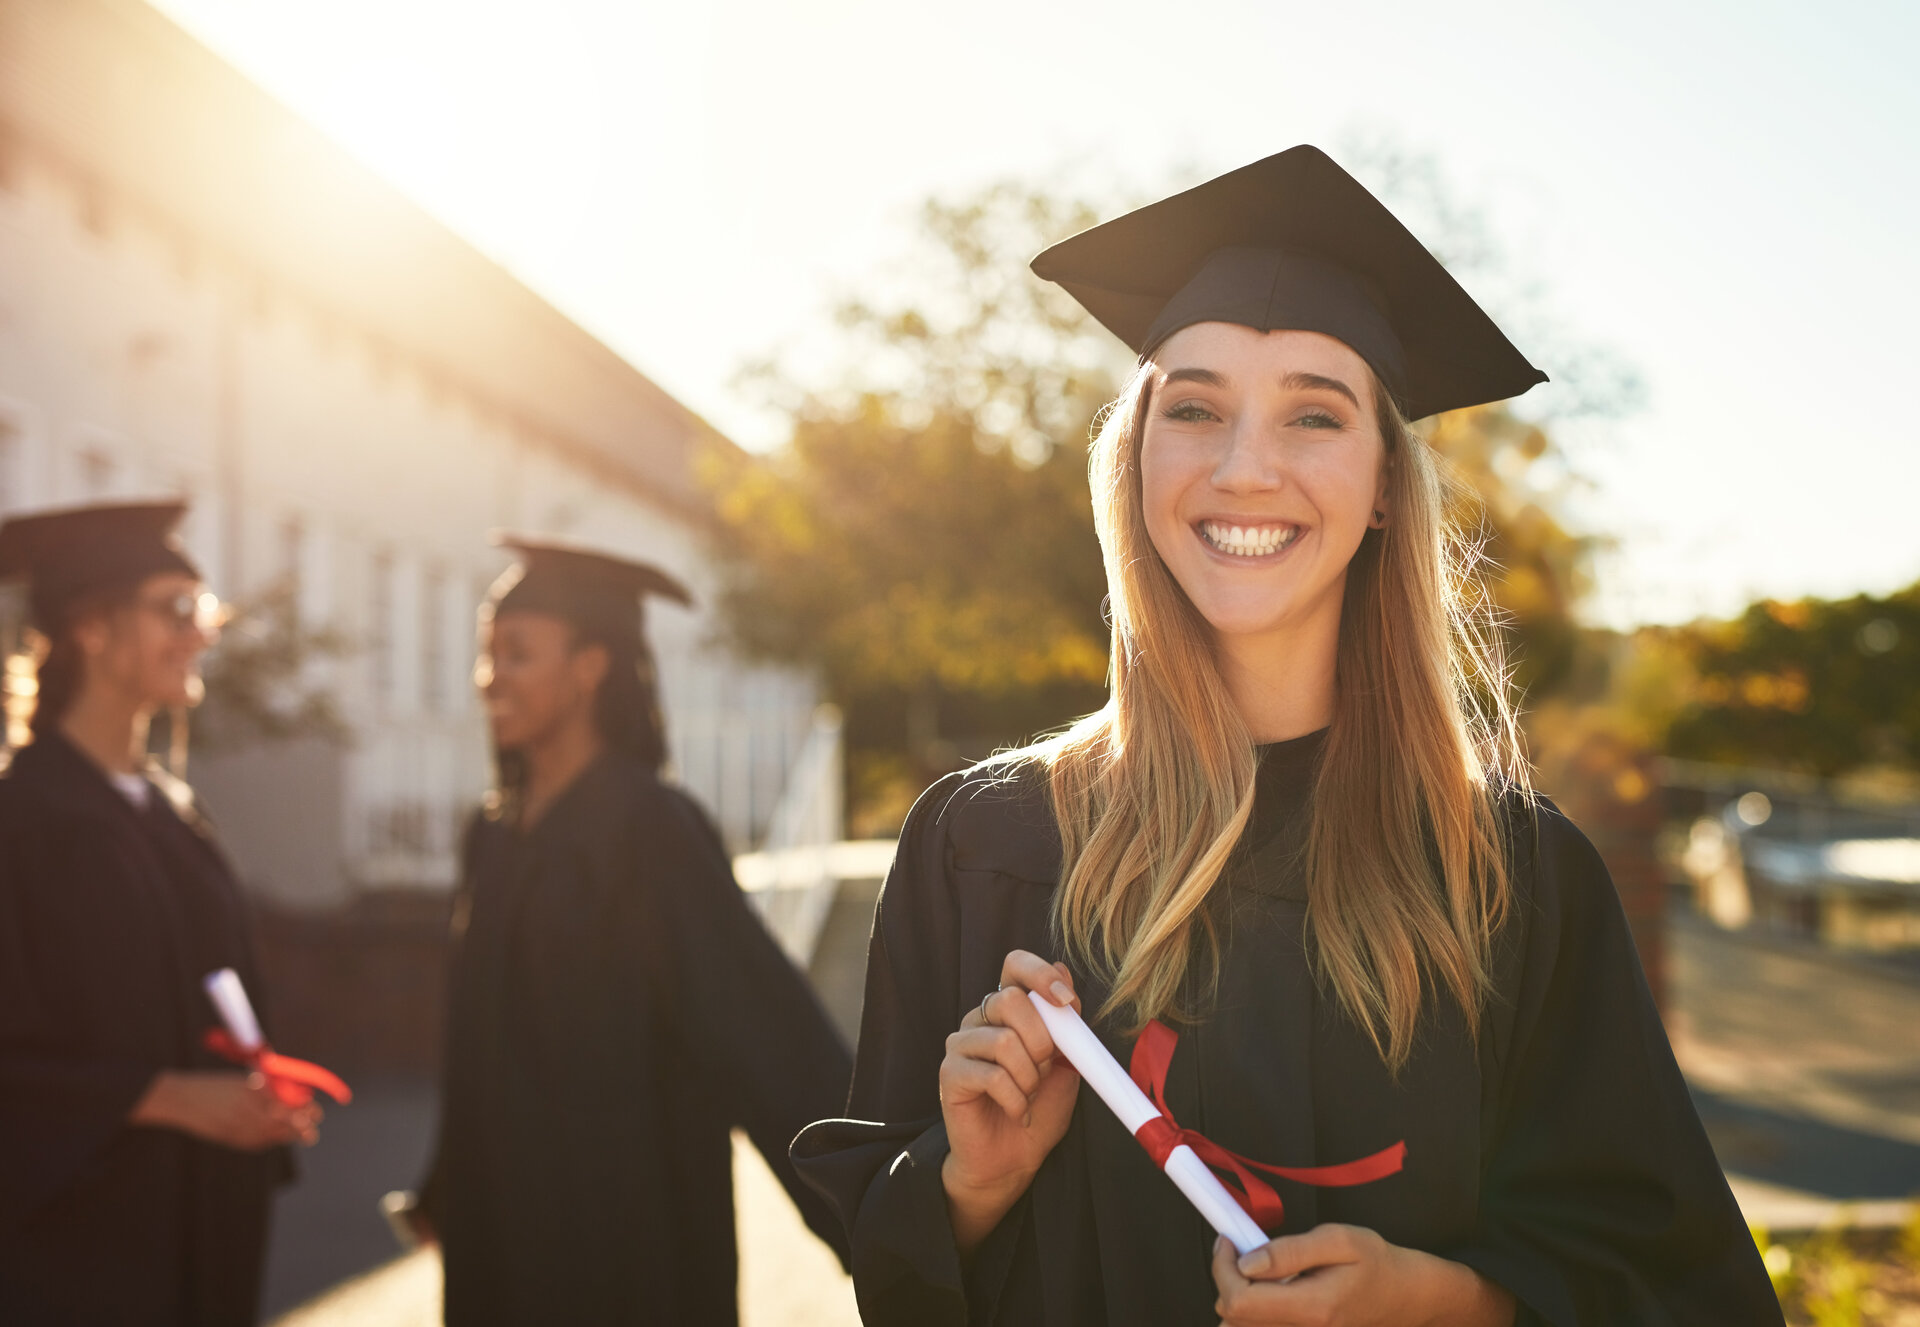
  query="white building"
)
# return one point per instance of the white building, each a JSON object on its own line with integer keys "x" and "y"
{"x": 201, "y": 295}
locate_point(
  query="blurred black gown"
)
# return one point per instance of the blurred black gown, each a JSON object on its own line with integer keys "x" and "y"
{"x": 1560, "y": 1156}
{"x": 616, "y": 1010}
{"x": 110, "y": 915}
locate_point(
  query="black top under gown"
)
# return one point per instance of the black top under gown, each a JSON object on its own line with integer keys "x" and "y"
{"x": 110, "y": 916}
{"x": 616, "y": 1009}
{"x": 1560, "y": 1157}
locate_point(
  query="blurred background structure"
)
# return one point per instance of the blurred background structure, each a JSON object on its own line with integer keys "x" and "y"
{"x": 202, "y": 294}
{"x": 204, "y": 297}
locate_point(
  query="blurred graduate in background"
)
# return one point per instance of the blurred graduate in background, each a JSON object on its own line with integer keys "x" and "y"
{"x": 616, "y": 1008}
{"x": 136, "y": 1167}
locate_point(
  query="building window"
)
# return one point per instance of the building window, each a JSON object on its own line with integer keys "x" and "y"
{"x": 380, "y": 626}
{"x": 433, "y": 640}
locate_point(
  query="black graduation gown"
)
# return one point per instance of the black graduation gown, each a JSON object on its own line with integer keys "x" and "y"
{"x": 616, "y": 1009}
{"x": 110, "y": 915}
{"x": 1560, "y": 1157}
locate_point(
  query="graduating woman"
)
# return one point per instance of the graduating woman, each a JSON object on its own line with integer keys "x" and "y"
{"x": 615, "y": 1008}
{"x": 1292, "y": 871}
{"x": 135, "y": 1166}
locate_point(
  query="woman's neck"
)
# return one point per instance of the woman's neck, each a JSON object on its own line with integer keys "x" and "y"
{"x": 108, "y": 728}
{"x": 1282, "y": 682}
{"x": 553, "y": 763}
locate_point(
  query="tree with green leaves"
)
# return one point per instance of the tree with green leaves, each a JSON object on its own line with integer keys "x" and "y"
{"x": 1827, "y": 686}
{"x": 1512, "y": 484}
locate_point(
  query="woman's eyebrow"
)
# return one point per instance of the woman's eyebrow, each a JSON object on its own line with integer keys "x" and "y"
{"x": 1296, "y": 381}
{"x": 1308, "y": 381}
{"x": 1205, "y": 377}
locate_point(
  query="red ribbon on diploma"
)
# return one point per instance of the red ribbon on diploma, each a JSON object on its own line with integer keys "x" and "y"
{"x": 293, "y": 1081}
{"x": 1152, "y": 1053}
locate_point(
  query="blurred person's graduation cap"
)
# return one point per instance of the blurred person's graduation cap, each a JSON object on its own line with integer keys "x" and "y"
{"x": 1294, "y": 242}
{"x": 596, "y": 591}
{"x": 72, "y": 554}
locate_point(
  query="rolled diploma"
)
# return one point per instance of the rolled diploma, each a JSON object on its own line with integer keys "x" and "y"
{"x": 1123, "y": 1096}
{"x": 236, "y": 1011}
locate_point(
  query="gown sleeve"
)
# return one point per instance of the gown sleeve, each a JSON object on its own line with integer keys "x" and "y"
{"x": 60, "y": 1103}
{"x": 1602, "y": 1200}
{"x": 881, "y": 1166}
{"x": 742, "y": 1012}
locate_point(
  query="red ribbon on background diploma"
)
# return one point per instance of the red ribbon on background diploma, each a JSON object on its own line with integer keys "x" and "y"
{"x": 1152, "y": 1053}
{"x": 240, "y": 1040}
{"x": 293, "y": 1081}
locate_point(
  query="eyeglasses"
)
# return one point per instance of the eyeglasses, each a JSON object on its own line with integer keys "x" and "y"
{"x": 201, "y": 612}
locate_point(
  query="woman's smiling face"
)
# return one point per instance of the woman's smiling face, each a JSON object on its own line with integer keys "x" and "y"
{"x": 1262, "y": 466}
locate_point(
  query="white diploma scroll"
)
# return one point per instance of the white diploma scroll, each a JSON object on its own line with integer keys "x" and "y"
{"x": 235, "y": 1009}
{"x": 1123, "y": 1096}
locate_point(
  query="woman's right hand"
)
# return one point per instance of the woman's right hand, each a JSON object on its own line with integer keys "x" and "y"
{"x": 235, "y": 1110}
{"x": 1006, "y": 1096}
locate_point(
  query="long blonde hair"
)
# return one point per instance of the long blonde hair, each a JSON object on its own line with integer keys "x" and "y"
{"x": 1405, "y": 853}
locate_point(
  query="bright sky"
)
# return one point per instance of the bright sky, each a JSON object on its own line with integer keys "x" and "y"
{"x": 1726, "y": 192}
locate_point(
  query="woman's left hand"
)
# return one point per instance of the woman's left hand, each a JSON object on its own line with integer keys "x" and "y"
{"x": 1347, "y": 1276}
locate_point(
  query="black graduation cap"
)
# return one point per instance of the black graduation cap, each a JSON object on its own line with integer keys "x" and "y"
{"x": 1294, "y": 242}
{"x": 596, "y": 591}
{"x": 70, "y": 554}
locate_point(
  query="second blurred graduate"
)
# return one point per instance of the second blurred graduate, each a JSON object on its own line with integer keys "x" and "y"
{"x": 616, "y": 1008}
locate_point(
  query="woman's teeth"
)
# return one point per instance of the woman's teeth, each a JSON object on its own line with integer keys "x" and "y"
{"x": 1248, "y": 541}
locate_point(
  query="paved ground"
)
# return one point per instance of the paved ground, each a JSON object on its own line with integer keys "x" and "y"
{"x": 329, "y": 1236}
{"x": 1805, "y": 1066}
{"x": 787, "y": 1277}
{"x": 328, "y": 1226}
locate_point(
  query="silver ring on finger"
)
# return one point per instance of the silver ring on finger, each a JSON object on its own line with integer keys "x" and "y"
{"x": 983, "y": 1006}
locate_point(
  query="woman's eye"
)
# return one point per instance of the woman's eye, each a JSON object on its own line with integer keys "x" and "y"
{"x": 1319, "y": 419}
{"x": 1190, "y": 412}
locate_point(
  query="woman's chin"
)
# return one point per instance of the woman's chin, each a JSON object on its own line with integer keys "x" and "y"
{"x": 1233, "y": 621}
{"x": 1253, "y": 613}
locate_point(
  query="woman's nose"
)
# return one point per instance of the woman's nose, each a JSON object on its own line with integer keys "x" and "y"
{"x": 1251, "y": 462}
